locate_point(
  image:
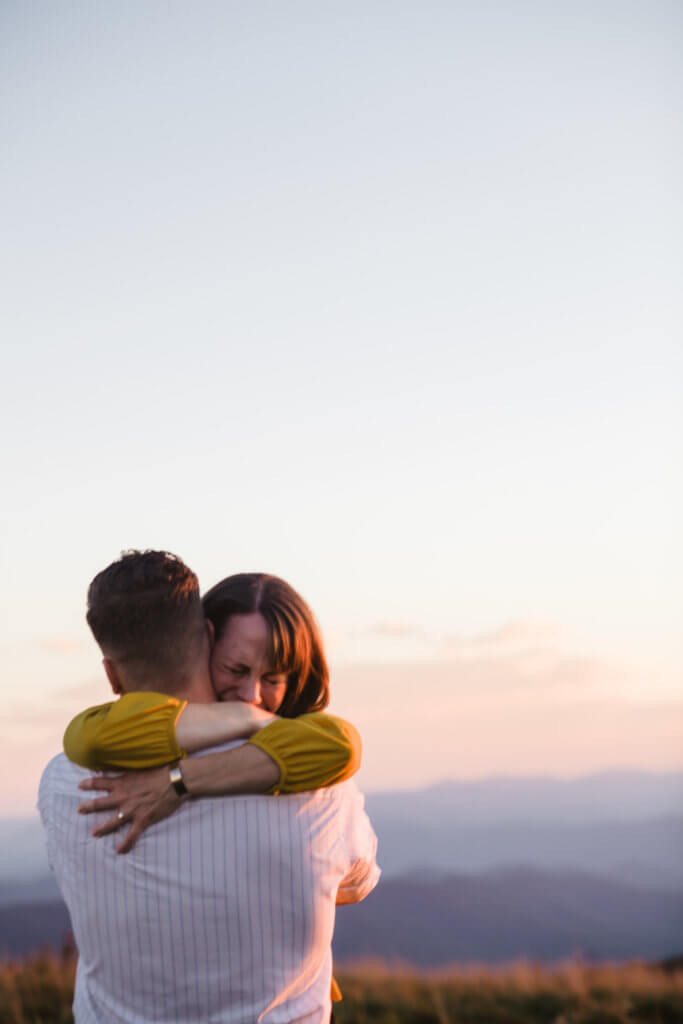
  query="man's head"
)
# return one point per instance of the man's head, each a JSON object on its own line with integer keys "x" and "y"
{"x": 145, "y": 612}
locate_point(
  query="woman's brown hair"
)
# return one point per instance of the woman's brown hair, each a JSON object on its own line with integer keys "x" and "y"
{"x": 295, "y": 644}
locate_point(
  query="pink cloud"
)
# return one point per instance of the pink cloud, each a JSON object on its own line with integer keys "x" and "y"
{"x": 515, "y": 636}
{"x": 396, "y": 629}
{"x": 61, "y": 644}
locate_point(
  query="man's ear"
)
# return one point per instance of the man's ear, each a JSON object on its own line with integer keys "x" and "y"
{"x": 211, "y": 633}
{"x": 112, "y": 675}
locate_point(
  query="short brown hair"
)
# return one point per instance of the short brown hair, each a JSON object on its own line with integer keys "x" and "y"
{"x": 145, "y": 611}
{"x": 295, "y": 644}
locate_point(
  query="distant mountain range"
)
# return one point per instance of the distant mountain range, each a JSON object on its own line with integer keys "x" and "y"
{"x": 647, "y": 853}
{"x": 491, "y": 918}
{"x": 508, "y": 915}
{"x": 489, "y": 870}
{"x": 617, "y": 796}
{"x": 626, "y": 825}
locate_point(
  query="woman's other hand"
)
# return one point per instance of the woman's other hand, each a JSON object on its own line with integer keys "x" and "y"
{"x": 139, "y": 799}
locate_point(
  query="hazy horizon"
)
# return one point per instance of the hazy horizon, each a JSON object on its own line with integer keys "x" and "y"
{"x": 443, "y": 783}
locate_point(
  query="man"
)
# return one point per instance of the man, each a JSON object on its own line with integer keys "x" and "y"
{"x": 224, "y": 911}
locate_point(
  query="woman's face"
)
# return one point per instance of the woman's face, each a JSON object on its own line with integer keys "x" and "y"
{"x": 241, "y": 667}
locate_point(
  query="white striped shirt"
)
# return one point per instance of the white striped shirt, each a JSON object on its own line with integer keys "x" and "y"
{"x": 222, "y": 913}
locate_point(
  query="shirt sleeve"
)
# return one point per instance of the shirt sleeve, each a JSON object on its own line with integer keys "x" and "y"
{"x": 312, "y": 751}
{"x": 136, "y": 731}
{"x": 360, "y": 842}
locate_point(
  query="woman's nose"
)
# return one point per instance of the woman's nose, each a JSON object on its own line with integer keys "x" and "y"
{"x": 250, "y": 690}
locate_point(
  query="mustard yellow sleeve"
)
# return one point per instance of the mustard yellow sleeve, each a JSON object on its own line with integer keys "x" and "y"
{"x": 135, "y": 731}
{"x": 312, "y": 751}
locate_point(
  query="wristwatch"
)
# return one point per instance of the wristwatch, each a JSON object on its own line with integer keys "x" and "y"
{"x": 176, "y": 779}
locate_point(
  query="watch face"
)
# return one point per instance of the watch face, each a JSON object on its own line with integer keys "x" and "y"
{"x": 176, "y": 777}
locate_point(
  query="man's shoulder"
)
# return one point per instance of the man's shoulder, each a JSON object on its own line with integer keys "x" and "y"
{"x": 60, "y": 775}
{"x": 343, "y": 800}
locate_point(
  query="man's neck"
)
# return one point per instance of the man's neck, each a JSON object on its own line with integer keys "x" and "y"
{"x": 197, "y": 689}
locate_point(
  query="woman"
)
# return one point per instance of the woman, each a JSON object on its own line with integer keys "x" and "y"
{"x": 269, "y": 670}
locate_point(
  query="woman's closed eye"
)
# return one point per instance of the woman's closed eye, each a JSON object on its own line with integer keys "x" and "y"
{"x": 272, "y": 678}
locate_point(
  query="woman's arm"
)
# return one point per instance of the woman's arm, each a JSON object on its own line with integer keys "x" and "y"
{"x": 146, "y": 729}
{"x": 309, "y": 746}
{"x": 284, "y": 755}
{"x": 312, "y": 751}
{"x": 207, "y": 725}
{"x": 142, "y": 798}
{"x": 289, "y": 755}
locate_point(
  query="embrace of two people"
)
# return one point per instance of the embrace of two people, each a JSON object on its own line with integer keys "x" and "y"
{"x": 223, "y": 911}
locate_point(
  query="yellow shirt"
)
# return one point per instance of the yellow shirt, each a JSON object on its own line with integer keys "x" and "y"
{"x": 138, "y": 731}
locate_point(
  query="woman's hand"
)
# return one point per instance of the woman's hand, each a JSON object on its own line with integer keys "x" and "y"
{"x": 139, "y": 798}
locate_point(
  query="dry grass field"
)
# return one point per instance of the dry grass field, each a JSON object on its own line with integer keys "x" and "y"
{"x": 39, "y": 989}
{"x": 520, "y": 994}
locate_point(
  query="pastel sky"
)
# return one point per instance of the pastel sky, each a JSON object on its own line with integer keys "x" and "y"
{"x": 382, "y": 297}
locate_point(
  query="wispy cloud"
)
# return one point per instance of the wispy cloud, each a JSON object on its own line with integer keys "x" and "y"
{"x": 531, "y": 655}
{"x": 517, "y": 636}
{"x": 57, "y": 643}
{"x": 525, "y": 654}
{"x": 522, "y": 656}
{"x": 396, "y": 629}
